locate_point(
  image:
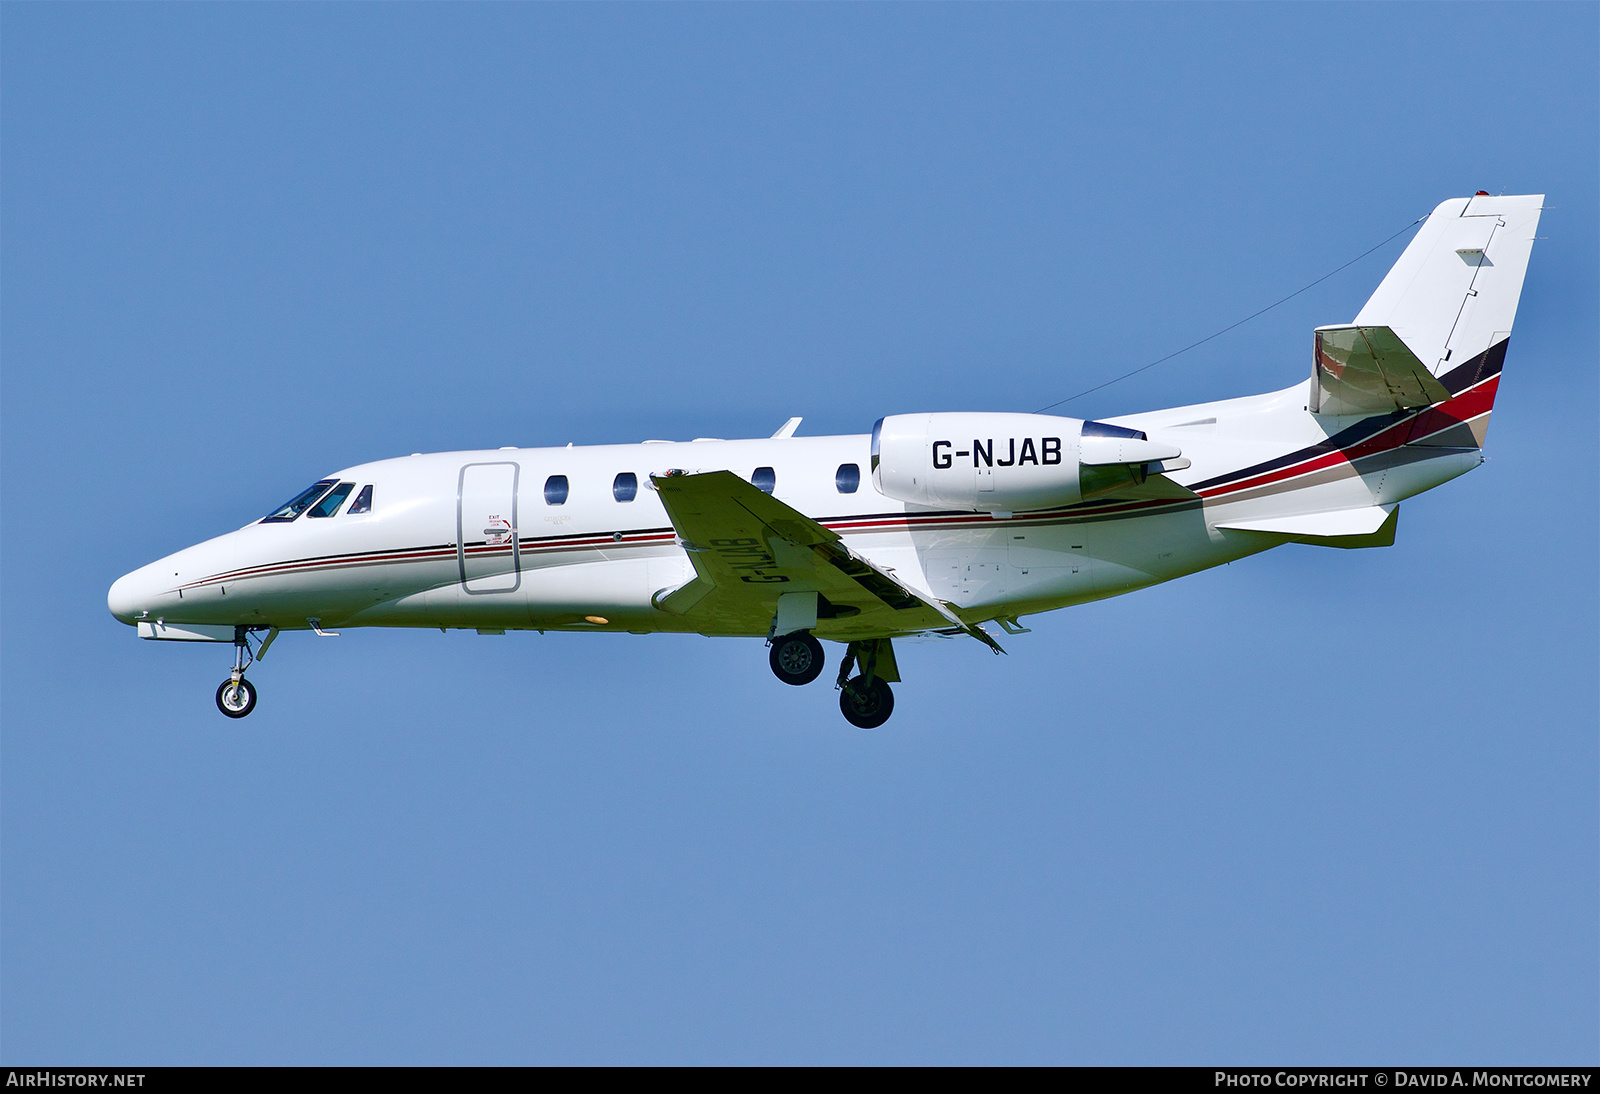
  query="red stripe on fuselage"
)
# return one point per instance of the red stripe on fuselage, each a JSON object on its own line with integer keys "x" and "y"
{"x": 1469, "y": 404}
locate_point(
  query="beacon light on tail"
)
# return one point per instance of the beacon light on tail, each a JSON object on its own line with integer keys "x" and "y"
{"x": 932, "y": 523}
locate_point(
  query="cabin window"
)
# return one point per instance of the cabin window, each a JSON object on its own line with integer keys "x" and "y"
{"x": 330, "y": 504}
{"x": 555, "y": 490}
{"x": 299, "y": 505}
{"x": 764, "y": 479}
{"x": 625, "y": 487}
{"x": 847, "y": 478}
{"x": 362, "y": 504}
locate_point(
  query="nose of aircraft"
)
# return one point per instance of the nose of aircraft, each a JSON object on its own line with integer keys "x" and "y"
{"x": 134, "y": 593}
{"x": 157, "y": 589}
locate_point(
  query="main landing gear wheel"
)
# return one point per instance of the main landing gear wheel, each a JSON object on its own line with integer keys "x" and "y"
{"x": 796, "y": 658}
{"x": 864, "y": 705}
{"x": 236, "y": 698}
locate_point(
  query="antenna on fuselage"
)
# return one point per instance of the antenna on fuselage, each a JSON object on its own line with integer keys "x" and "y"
{"x": 1230, "y": 326}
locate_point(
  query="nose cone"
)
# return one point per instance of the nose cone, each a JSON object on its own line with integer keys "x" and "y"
{"x": 156, "y": 591}
{"x": 134, "y": 593}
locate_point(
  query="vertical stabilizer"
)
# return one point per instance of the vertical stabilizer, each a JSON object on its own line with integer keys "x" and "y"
{"x": 1453, "y": 293}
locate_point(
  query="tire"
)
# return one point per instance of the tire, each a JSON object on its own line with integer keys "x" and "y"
{"x": 866, "y": 707}
{"x": 796, "y": 658}
{"x": 236, "y": 703}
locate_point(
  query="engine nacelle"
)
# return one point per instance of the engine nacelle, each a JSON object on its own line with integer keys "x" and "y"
{"x": 1006, "y": 462}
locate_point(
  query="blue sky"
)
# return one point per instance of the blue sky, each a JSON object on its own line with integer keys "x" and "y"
{"x": 1314, "y": 807}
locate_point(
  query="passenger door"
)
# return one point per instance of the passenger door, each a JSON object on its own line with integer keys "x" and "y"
{"x": 486, "y": 528}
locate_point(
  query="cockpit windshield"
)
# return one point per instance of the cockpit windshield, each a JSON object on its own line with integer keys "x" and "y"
{"x": 330, "y": 504}
{"x": 299, "y": 505}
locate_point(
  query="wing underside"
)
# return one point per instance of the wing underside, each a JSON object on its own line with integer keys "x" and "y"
{"x": 755, "y": 556}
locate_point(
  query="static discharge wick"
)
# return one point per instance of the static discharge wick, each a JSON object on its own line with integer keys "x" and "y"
{"x": 1240, "y": 323}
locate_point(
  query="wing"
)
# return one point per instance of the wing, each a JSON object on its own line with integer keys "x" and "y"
{"x": 754, "y": 556}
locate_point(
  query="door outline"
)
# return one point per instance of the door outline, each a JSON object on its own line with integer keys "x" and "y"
{"x": 516, "y": 543}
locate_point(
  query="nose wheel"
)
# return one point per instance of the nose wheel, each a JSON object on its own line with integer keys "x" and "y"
{"x": 236, "y": 697}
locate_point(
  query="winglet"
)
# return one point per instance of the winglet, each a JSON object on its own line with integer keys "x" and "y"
{"x": 787, "y": 429}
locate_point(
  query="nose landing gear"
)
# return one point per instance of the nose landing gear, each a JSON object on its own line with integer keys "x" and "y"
{"x": 236, "y": 696}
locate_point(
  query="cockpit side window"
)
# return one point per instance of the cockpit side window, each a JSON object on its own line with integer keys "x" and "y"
{"x": 363, "y": 502}
{"x": 299, "y": 505}
{"x": 330, "y": 504}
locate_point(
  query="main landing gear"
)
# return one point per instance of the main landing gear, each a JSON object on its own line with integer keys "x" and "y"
{"x": 865, "y": 700}
{"x": 796, "y": 658}
{"x": 236, "y": 696}
{"x": 866, "y": 704}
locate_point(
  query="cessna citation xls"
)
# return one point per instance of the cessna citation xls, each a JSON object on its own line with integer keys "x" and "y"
{"x": 932, "y": 523}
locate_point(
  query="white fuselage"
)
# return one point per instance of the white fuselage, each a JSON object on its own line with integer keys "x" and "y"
{"x": 470, "y": 539}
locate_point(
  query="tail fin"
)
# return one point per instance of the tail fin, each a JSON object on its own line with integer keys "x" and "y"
{"x": 1453, "y": 294}
{"x": 1433, "y": 337}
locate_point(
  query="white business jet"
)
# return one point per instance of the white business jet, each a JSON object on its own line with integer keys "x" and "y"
{"x": 931, "y": 524}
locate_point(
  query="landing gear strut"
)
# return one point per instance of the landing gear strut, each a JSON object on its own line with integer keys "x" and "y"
{"x": 866, "y": 701}
{"x": 796, "y": 658}
{"x": 236, "y": 696}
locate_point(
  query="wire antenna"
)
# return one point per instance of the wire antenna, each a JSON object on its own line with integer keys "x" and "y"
{"x": 1240, "y": 323}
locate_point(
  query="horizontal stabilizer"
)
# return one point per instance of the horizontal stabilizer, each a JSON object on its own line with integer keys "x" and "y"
{"x": 1340, "y": 522}
{"x": 1369, "y": 370}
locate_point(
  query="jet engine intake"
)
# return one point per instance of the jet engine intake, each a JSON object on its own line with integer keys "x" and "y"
{"x": 1006, "y": 462}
